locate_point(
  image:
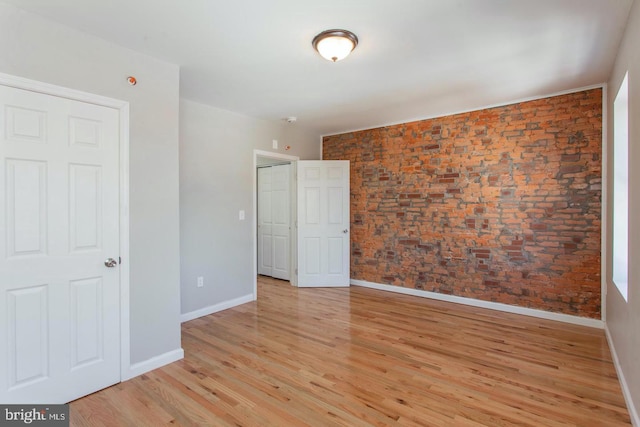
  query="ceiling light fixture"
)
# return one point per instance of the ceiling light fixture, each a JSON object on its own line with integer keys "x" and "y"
{"x": 335, "y": 45}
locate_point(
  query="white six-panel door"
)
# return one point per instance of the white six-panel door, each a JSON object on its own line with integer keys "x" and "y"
{"x": 59, "y": 210}
{"x": 274, "y": 221}
{"x": 323, "y": 223}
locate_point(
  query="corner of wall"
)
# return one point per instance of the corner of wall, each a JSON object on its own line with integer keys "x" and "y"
{"x": 153, "y": 363}
{"x": 626, "y": 391}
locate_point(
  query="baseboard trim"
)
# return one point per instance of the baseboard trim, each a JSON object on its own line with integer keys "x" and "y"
{"x": 541, "y": 314}
{"x": 215, "y": 308}
{"x": 154, "y": 363}
{"x": 633, "y": 413}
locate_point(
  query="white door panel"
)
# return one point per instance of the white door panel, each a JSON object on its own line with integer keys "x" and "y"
{"x": 323, "y": 223}
{"x": 267, "y": 252}
{"x": 26, "y": 198}
{"x": 28, "y": 335}
{"x": 59, "y": 175}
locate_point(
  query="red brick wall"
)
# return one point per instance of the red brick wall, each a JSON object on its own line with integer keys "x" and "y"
{"x": 501, "y": 204}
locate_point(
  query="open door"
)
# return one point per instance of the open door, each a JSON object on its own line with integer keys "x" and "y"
{"x": 323, "y": 223}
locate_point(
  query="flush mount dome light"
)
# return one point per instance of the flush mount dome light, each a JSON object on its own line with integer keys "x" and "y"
{"x": 335, "y": 45}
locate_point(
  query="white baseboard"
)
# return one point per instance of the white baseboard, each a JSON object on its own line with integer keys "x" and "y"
{"x": 154, "y": 363}
{"x": 583, "y": 321}
{"x": 215, "y": 308}
{"x": 633, "y": 412}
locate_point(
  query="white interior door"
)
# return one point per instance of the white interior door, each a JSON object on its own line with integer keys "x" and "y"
{"x": 59, "y": 210}
{"x": 281, "y": 215}
{"x": 323, "y": 223}
{"x": 274, "y": 221}
{"x": 265, "y": 222}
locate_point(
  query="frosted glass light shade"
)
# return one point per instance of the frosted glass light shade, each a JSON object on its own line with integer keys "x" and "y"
{"x": 335, "y": 45}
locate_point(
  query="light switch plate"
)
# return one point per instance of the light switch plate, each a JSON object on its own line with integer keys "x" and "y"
{"x": 275, "y": 144}
{"x": 241, "y": 215}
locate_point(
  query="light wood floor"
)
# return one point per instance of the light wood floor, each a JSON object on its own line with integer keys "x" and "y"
{"x": 359, "y": 357}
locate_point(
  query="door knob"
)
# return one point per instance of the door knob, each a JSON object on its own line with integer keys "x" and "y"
{"x": 111, "y": 262}
{"x": 345, "y": 231}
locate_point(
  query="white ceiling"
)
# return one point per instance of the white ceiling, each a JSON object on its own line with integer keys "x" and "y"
{"x": 416, "y": 58}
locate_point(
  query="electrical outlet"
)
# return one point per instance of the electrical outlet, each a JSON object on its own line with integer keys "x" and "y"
{"x": 200, "y": 281}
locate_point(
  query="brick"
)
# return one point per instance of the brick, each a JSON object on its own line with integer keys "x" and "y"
{"x": 409, "y": 242}
{"x": 571, "y": 169}
{"x": 570, "y": 158}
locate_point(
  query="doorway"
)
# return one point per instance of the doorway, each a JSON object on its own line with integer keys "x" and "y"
{"x": 261, "y": 161}
{"x": 323, "y": 196}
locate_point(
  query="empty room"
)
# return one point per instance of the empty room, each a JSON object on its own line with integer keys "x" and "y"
{"x": 349, "y": 213}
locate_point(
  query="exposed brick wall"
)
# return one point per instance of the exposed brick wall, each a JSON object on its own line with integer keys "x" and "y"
{"x": 501, "y": 204}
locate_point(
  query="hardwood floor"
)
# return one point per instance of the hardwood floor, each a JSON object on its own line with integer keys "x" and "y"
{"x": 359, "y": 357}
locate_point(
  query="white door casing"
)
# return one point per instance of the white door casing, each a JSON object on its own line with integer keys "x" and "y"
{"x": 274, "y": 221}
{"x": 323, "y": 223}
{"x": 60, "y": 304}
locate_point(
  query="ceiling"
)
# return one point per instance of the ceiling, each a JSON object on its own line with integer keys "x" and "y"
{"x": 416, "y": 58}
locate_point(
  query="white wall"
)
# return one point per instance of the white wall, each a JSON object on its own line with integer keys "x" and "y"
{"x": 38, "y": 49}
{"x": 623, "y": 318}
{"x": 216, "y": 181}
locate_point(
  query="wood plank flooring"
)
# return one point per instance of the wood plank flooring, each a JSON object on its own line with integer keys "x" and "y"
{"x": 361, "y": 357}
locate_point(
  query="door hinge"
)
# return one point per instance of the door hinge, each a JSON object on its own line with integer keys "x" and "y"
{"x": 119, "y": 260}
{"x": 296, "y": 272}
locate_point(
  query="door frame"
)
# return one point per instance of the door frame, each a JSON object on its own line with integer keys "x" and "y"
{"x": 123, "y": 108}
{"x": 254, "y": 225}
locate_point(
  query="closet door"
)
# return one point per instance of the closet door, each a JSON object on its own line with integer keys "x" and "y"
{"x": 274, "y": 221}
{"x": 281, "y": 221}
{"x": 265, "y": 222}
{"x": 59, "y": 242}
